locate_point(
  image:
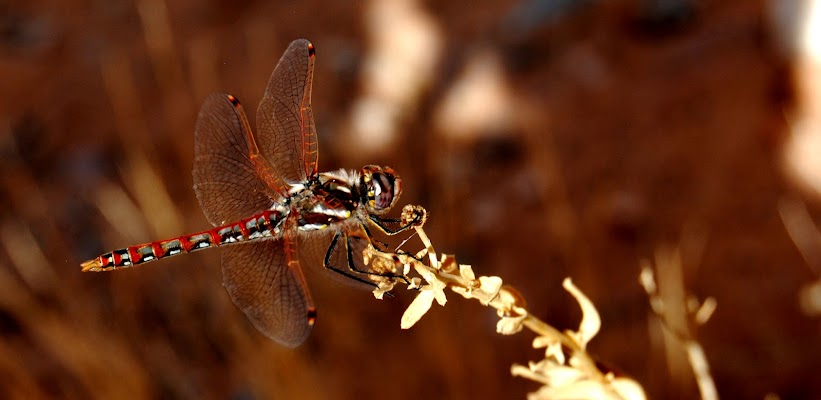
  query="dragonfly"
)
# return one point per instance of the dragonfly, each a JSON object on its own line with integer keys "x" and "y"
{"x": 271, "y": 209}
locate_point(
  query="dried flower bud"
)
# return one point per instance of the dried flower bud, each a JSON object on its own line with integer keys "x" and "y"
{"x": 510, "y": 325}
{"x": 382, "y": 288}
{"x": 466, "y": 272}
{"x": 415, "y": 283}
{"x": 489, "y": 285}
{"x": 448, "y": 264}
{"x": 511, "y": 297}
{"x": 412, "y": 214}
{"x": 384, "y": 265}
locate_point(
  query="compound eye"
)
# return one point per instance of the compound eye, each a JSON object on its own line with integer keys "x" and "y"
{"x": 382, "y": 191}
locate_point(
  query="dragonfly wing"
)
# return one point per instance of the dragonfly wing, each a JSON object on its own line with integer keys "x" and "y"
{"x": 285, "y": 123}
{"x": 270, "y": 292}
{"x": 226, "y": 181}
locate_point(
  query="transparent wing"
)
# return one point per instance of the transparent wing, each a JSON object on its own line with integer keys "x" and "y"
{"x": 227, "y": 184}
{"x": 272, "y": 294}
{"x": 285, "y": 123}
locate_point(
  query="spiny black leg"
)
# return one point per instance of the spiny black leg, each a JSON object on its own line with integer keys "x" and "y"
{"x": 331, "y": 247}
{"x": 352, "y": 266}
{"x": 384, "y": 245}
{"x": 374, "y": 240}
{"x": 327, "y": 262}
{"x": 381, "y": 223}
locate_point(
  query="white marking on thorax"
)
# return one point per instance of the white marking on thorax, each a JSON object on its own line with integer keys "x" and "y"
{"x": 312, "y": 227}
{"x": 332, "y": 212}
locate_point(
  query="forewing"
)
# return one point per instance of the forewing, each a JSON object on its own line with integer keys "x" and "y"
{"x": 271, "y": 294}
{"x": 227, "y": 184}
{"x": 285, "y": 123}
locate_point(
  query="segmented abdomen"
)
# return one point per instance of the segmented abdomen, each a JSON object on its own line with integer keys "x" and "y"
{"x": 263, "y": 225}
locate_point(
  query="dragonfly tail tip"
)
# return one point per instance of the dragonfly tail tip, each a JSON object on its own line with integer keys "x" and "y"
{"x": 90, "y": 265}
{"x": 311, "y": 316}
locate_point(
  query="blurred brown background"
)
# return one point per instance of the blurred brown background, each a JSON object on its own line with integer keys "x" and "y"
{"x": 546, "y": 138}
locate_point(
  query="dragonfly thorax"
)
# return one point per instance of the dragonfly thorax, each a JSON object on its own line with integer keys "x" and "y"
{"x": 332, "y": 197}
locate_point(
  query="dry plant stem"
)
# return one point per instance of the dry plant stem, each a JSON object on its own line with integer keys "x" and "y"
{"x": 543, "y": 329}
{"x": 565, "y": 372}
{"x": 428, "y": 245}
{"x": 583, "y": 359}
{"x": 685, "y": 337}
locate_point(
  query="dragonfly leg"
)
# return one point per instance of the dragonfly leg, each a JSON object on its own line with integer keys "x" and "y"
{"x": 384, "y": 245}
{"x": 352, "y": 266}
{"x": 327, "y": 262}
{"x": 383, "y": 224}
{"x": 376, "y": 242}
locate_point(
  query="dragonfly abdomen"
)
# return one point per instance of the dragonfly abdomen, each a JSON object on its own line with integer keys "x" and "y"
{"x": 266, "y": 224}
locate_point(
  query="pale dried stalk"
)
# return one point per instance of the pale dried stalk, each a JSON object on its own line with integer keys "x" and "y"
{"x": 562, "y": 376}
{"x": 698, "y": 313}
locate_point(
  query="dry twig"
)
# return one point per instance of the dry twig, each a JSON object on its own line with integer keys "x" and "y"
{"x": 566, "y": 371}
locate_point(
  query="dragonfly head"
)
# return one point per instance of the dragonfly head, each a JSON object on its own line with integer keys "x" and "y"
{"x": 380, "y": 188}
